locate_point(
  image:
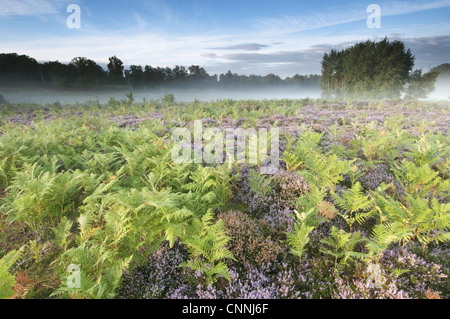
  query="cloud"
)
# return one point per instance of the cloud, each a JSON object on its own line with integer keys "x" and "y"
{"x": 429, "y": 51}
{"x": 392, "y": 8}
{"x": 210, "y": 55}
{"x": 332, "y": 16}
{"x": 140, "y": 22}
{"x": 163, "y": 10}
{"x": 276, "y": 57}
{"x": 28, "y": 7}
{"x": 243, "y": 47}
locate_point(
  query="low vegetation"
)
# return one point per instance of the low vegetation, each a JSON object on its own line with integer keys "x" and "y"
{"x": 358, "y": 209}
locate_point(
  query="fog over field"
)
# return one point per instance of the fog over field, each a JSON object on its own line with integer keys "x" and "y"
{"x": 39, "y": 95}
{"x": 442, "y": 90}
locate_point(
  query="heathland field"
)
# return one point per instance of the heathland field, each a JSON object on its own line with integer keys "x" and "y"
{"x": 95, "y": 204}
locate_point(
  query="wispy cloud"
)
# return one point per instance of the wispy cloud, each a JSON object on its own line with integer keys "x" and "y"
{"x": 243, "y": 47}
{"x": 163, "y": 10}
{"x": 405, "y": 7}
{"x": 29, "y": 7}
{"x": 332, "y": 17}
{"x": 140, "y": 22}
{"x": 276, "y": 57}
{"x": 429, "y": 51}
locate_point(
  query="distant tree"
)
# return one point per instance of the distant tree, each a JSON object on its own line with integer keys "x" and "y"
{"x": 180, "y": 73}
{"x": 198, "y": 75}
{"x": 443, "y": 80}
{"x": 135, "y": 76}
{"x": 367, "y": 70}
{"x": 296, "y": 80}
{"x": 421, "y": 85}
{"x": 254, "y": 81}
{"x": 168, "y": 74}
{"x": 87, "y": 72}
{"x": 271, "y": 80}
{"x": 197, "y": 72}
{"x": 14, "y": 67}
{"x": 153, "y": 76}
{"x": 443, "y": 70}
{"x": 115, "y": 70}
{"x": 58, "y": 73}
{"x": 2, "y": 100}
{"x": 28, "y": 68}
{"x": 229, "y": 80}
{"x": 312, "y": 80}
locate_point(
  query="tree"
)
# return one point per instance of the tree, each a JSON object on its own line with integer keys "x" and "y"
{"x": 87, "y": 72}
{"x": 443, "y": 81}
{"x": 271, "y": 80}
{"x": 443, "y": 70}
{"x": 115, "y": 70}
{"x": 14, "y": 67}
{"x": 332, "y": 81}
{"x": 135, "y": 76}
{"x": 197, "y": 72}
{"x": 229, "y": 79}
{"x": 53, "y": 71}
{"x": 58, "y": 73}
{"x": 421, "y": 85}
{"x": 197, "y": 75}
{"x": 367, "y": 70}
{"x": 180, "y": 73}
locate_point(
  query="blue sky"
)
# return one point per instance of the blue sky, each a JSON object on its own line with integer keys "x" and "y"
{"x": 246, "y": 36}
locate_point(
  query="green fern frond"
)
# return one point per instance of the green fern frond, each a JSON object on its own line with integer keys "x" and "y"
{"x": 7, "y": 280}
{"x": 258, "y": 183}
{"x": 299, "y": 239}
{"x": 341, "y": 244}
{"x": 397, "y": 272}
{"x": 420, "y": 180}
{"x": 62, "y": 232}
{"x": 356, "y": 205}
{"x": 207, "y": 246}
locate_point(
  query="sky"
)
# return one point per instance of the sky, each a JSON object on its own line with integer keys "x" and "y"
{"x": 284, "y": 37}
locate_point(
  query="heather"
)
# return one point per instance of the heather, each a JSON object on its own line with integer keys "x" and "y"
{"x": 358, "y": 208}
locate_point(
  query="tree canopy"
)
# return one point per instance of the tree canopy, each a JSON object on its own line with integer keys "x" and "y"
{"x": 373, "y": 70}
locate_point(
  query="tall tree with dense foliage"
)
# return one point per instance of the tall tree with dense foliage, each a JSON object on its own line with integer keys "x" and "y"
{"x": 367, "y": 70}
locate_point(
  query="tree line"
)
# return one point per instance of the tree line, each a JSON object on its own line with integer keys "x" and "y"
{"x": 371, "y": 70}
{"x": 82, "y": 72}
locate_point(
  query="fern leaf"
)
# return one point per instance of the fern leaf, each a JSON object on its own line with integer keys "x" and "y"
{"x": 7, "y": 281}
{"x": 62, "y": 232}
